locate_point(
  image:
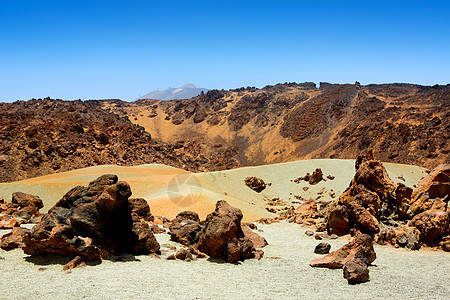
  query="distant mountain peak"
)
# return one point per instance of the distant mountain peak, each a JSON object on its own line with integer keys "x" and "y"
{"x": 190, "y": 85}
{"x": 186, "y": 91}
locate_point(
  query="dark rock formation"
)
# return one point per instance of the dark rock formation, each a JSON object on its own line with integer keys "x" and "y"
{"x": 185, "y": 228}
{"x": 92, "y": 222}
{"x": 322, "y": 248}
{"x": 256, "y": 184}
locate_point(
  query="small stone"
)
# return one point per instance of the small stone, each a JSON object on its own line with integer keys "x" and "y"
{"x": 309, "y": 232}
{"x": 171, "y": 257}
{"x": 356, "y": 271}
{"x": 322, "y": 248}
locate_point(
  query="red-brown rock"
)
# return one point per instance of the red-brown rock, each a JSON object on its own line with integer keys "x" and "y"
{"x": 257, "y": 240}
{"x": 433, "y": 225}
{"x": 8, "y": 222}
{"x": 356, "y": 271}
{"x": 14, "y": 239}
{"x": 223, "y": 236}
{"x": 360, "y": 247}
{"x": 77, "y": 262}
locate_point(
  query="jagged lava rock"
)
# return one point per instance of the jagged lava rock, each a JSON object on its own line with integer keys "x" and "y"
{"x": 360, "y": 247}
{"x": 223, "y": 236}
{"x": 92, "y": 222}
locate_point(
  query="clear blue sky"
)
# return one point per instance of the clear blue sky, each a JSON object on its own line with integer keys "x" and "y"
{"x": 123, "y": 49}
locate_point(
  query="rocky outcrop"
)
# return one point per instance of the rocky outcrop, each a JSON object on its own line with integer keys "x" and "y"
{"x": 256, "y": 184}
{"x": 223, "y": 236}
{"x": 360, "y": 247}
{"x": 369, "y": 196}
{"x": 315, "y": 178}
{"x": 23, "y": 206}
{"x": 92, "y": 222}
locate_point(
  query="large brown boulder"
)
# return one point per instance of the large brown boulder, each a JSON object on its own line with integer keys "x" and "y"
{"x": 434, "y": 186}
{"x": 433, "y": 225}
{"x": 360, "y": 247}
{"x": 223, "y": 236}
{"x": 92, "y": 222}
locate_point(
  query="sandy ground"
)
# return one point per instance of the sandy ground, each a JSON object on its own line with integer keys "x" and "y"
{"x": 170, "y": 190}
{"x": 398, "y": 274}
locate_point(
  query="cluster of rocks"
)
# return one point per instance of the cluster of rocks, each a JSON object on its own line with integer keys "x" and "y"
{"x": 221, "y": 235}
{"x": 90, "y": 223}
{"x": 372, "y": 205}
{"x": 314, "y": 178}
{"x": 23, "y": 208}
{"x": 100, "y": 221}
{"x": 354, "y": 258}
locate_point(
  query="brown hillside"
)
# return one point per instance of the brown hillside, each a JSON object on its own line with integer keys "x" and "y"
{"x": 403, "y": 123}
{"x": 39, "y": 137}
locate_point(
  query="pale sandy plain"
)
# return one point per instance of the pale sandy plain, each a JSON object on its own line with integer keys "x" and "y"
{"x": 283, "y": 273}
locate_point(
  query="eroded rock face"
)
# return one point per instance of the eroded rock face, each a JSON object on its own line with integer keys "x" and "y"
{"x": 434, "y": 186}
{"x": 223, "y": 236}
{"x": 360, "y": 247}
{"x": 92, "y": 222}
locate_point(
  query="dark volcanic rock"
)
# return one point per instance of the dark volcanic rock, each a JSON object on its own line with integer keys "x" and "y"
{"x": 322, "y": 248}
{"x": 256, "y": 184}
{"x": 92, "y": 222}
{"x": 223, "y": 236}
